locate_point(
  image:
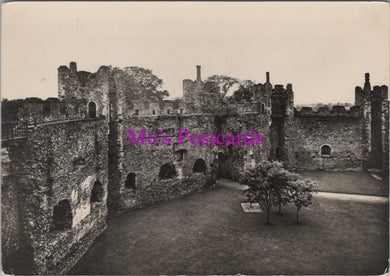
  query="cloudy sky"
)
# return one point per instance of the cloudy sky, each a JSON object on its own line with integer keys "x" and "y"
{"x": 322, "y": 48}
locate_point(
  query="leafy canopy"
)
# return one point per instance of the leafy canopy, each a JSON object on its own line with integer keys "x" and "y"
{"x": 141, "y": 84}
{"x": 232, "y": 89}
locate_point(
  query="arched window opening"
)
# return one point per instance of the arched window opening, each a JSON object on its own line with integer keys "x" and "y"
{"x": 92, "y": 110}
{"x": 325, "y": 150}
{"x": 167, "y": 171}
{"x": 97, "y": 192}
{"x": 130, "y": 181}
{"x": 62, "y": 216}
{"x": 180, "y": 155}
{"x": 199, "y": 166}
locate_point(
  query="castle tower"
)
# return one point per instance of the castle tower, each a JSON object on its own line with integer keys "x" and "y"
{"x": 375, "y": 109}
{"x": 282, "y": 102}
{"x": 378, "y": 155}
{"x": 76, "y": 85}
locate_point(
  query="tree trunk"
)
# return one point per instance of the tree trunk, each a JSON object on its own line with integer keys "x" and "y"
{"x": 268, "y": 221}
{"x": 280, "y": 209}
{"x": 298, "y": 215}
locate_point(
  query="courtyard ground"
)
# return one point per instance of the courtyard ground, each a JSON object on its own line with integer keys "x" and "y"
{"x": 208, "y": 233}
{"x": 348, "y": 182}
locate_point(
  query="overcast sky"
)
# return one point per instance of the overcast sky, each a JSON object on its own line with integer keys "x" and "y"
{"x": 322, "y": 48}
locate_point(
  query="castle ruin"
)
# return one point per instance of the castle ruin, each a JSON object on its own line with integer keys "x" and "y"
{"x": 65, "y": 173}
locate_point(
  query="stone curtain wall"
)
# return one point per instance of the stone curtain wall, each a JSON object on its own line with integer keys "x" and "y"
{"x": 58, "y": 162}
{"x": 146, "y": 161}
{"x": 304, "y": 137}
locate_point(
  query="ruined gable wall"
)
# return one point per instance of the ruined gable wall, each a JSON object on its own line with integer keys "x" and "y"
{"x": 57, "y": 163}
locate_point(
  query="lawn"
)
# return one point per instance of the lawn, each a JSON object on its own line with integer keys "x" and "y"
{"x": 207, "y": 233}
{"x": 348, "y": 182}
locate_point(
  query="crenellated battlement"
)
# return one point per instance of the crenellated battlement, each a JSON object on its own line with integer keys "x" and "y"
{"x": 170, "y": 108}
{"x": 157, "y": 108}
{"x": 41, "y": 111}
{"x": 323, "y": 112}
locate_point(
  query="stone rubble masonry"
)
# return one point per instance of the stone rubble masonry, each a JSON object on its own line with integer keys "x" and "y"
{"x": 63, "y": 158}
{"x": 56, "y": 162}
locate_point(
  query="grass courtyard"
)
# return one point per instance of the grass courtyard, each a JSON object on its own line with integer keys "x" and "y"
{"x": 348, "y": 182}
{"x": 208, "y": 233}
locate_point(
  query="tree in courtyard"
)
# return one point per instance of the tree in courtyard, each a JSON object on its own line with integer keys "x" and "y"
{"x": 300, "y": 192}
{"x": 267, "y": 183}
{"x": 281, "y": 179}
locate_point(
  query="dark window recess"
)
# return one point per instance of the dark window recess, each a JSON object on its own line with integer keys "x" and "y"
{"x": 97, "y": 192}
{"x": 130, "y": 181}
{"x": 92, "y": 110}
{"x": 199, "y": 166}
{"x": 62, "y": 216}
{"x": 325, "y": 150}
{"x": 167, "y": 171}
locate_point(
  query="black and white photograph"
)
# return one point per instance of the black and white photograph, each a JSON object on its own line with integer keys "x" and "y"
{"x": 195, "y": 138}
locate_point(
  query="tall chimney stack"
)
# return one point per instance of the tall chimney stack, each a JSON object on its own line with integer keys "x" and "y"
{"x": 367, "y": 75}
{"x": 198, "y": 76}
{"x": 367, "y": 85}
{"x": 267, "y": 76}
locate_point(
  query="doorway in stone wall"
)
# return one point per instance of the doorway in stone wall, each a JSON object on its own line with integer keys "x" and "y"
{"x": 223, "y": 170}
